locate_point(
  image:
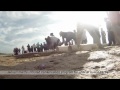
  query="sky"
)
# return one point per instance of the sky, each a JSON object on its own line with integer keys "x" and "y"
{"x": 19, "y": 28}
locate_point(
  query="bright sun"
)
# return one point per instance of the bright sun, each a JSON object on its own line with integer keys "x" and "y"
{"x": 67, "y": 21}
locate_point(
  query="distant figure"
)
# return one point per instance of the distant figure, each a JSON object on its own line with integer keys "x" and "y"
{"x": 37, "y": 45}
{"x": 103, "y": 36}
{"x": 41, "y": 48}
{"x": 51, "y": 34}
{"x": 16, "y": 51}
{"x": 34, "y": 47}
{"x": 23, "y": 49}
{"x": 45, "y": 46}
{"x": 28, "y": 48}
{"x": 38, "y": 49}
{"x": 19, "y": 50}
{"x": 31, "y": 49}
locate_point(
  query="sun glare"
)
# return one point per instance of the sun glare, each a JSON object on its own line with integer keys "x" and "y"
{"x": 67, "y": 21}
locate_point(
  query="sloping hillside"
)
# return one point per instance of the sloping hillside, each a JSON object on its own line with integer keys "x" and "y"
{"x": 103, "y": 63}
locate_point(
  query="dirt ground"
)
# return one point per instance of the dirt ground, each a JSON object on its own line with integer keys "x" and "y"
{"x": 106, "y": 62}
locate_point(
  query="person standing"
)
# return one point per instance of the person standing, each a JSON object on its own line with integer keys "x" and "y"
{"x": 16, "y": 51}
{"x": 28, "y": 48}
{"x": 19, "y": 51}
{"x": 23, "y": 49}
{"x": 31, "y": 49}
{"x": 34, "y": 48}
{"x": 37, "y": 45}
{"x": 41, "y": 47}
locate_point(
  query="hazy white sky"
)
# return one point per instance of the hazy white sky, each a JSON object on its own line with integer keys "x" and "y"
{"x": 21, "y": 28}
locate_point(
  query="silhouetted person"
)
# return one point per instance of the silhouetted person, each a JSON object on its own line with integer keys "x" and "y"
{"x": 37, "y": 45}
{"x": 34, "y": 47}
{"x": 16, "y": 51}
{"x": 111, "y": 37}
{"x": 51, "y": 34}
{"x": 45, "y": 46}
{"x": 28, "y": 48}
{"x": 31, "y": 48}
{"x": 25, "y": 51}
{"x": 41, "y": 48}
{"x": 38, "y": 49}
{"x": 19, "y": 50}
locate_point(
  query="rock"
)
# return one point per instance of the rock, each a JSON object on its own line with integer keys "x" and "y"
{"x": 102, "y": 66}
{"x": 96, "y": 67}
{"x": 41, "y": 67}
{"x": 51, "y": 61}
{"x": 94, "y": 76}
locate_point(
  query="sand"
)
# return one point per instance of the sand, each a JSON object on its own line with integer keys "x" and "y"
{"x": 92, "y": 62}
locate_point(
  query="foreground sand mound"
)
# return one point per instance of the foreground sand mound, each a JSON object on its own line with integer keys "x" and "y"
{"x": 94, "y": 64}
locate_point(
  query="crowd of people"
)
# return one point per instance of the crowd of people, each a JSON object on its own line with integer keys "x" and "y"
{"x": 52, "y": 41}
{"x": 32, "y": 48}
{"x": 16, "y": 51}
